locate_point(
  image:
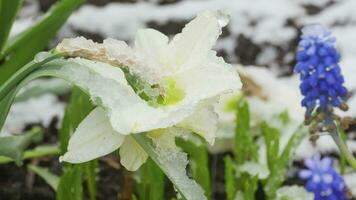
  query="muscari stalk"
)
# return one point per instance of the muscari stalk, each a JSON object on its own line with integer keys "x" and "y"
{"x": 322, "y": 84}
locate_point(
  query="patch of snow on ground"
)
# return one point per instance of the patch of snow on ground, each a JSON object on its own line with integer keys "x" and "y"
{"x": 35, "y": 110}
{"x": 122, "y": 20}
{"x": 350, "y": 180}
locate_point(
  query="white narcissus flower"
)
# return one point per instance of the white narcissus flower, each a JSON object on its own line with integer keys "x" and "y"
{"x": 157, "y": 84}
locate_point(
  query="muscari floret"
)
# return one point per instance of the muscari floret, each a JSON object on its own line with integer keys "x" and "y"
{"x": 322, "y": 83}
{"x": 317, "y": 64}
{"x": 323, "y": 180}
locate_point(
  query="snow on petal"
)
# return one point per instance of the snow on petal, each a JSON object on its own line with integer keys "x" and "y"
{"x": 79, "y": 46}
{"x": 174, "y": 163}
{"x": 109, "y": 89}
{"x": 132, "y": 156}
{"x": 191, "y": 47}
{"x": 93, "y": 138}
{"x": 117, "y": 53}
{"x": 129, "y": 113}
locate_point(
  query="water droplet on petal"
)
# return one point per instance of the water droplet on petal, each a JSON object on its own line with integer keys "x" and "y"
{"x": 41, "y": 56}
{"x": 222, "y": 17}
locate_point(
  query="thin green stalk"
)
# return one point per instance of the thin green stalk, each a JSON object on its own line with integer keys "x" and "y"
{"x": 39, "y": 151}
{"x": 334, "y": 132}
{"x": 343, "y": 148}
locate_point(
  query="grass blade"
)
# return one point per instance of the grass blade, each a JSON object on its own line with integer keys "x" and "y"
{"x": 70, "y": 185}
{"x": 172, "y": 163}
{"x": 90, "y": 171}
{"x": 244, "y": 147}
{"x": 279, "y": 169}
{"x": 8, "y": 12}
{"x": 22, "y": 48}
{"x": 14, "y": 146}
{"x": 78, "y": 108}
{"x": 40, "y": 151}
{"x": 198, "y": 162}
{"x": 271, "y": 137}
{"x": 149, "y": 182}
{"x": 51, "y": 179}
{"x": 230, "y": 185}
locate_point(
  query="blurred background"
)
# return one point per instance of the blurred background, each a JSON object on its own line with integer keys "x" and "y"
{"x": 261, "y": 33}
{"x": 262, "y": 37}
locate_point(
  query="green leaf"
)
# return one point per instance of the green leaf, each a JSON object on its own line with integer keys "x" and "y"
{"x": 40, "y": 151}
{"x": 70, "y": 185}
{"x": 271, "y": 136}
{"x": 22, "y": 48}
{"x": 50, "y": 178}
{"x": 149, "y": 182}
{"x": 55, "y": 86}
{"x": 250, "y": 187}
{"x": 244, "y": 148}
{"x": 230, "y": 185}
{"x": 18, "y": 76}
{"x": 8, "y": 11}
{"x": 13, "y": 146}
{"x": 5, "y": 105}
{"x": 172, "y": 162}
{"x": 279, "y": 168}
{"x": 78, "y": 108}
{"x": 22, "y": 77}
{"x": 198, "y": 161}
{"x": 90, "y": 171}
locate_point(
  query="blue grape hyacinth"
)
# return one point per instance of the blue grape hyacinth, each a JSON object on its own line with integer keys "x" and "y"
{"x": 323, "y": 180}
{"x": 317, "y": 64}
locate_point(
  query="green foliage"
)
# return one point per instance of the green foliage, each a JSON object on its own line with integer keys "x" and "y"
{"x": 279, "y": 169}
{"x": 21, "y": 49}
{"x": 39, "y": 151}
{"x": 78, "y": 108}
{"x": 342, "y": 159}
{"x": 90, "y": 171}
{"x": 169, "y": 167}
{"x": 230, "y": 185}
{"x": 245, "y": 185}
{"x": 70, "y": 185}
{"x": 284, "y": 117}
{"x": 51, "y": 179}
{"x": 149, "y": 182}
{"x": 249, "y": 186}
{"x": 8, "y": 11}
{"x": 244, "y": 146}
{"x": 5, "y": 105}
{"x": 11, "y": 87}
{"x": 271, "y": 137}
{"x": 198, "y": 161}
{"x": 14, "y": 146}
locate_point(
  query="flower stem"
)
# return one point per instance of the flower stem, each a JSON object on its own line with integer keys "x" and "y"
{"x": 343, "y": 148}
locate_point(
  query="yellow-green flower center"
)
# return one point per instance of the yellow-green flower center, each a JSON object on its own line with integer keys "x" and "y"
{"x": 172, "y": 93}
